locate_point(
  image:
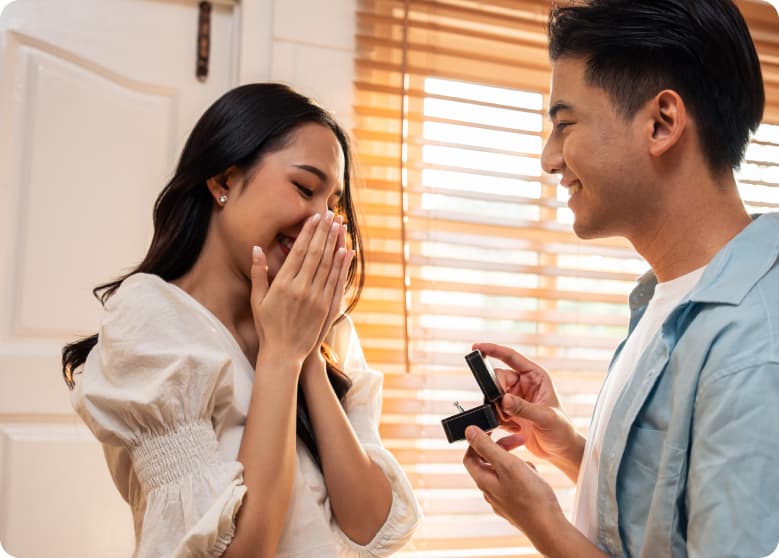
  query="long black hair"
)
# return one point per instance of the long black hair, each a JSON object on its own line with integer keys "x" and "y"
{"x": 237, "y": 130}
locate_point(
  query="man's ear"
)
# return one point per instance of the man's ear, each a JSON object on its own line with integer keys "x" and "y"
{"x": 219, "y": 185}
{"x": 668, "y": 118}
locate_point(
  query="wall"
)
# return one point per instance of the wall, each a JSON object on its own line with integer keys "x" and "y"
{"x": 81, "y": 46}
{"x": 313, "y": 51}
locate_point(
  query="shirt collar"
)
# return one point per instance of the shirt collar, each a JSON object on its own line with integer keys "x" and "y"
{"x": 644, "y": 291}
{"x": 756, "y": 248}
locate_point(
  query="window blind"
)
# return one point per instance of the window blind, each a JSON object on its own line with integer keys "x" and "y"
{"x": 468, "y": 240}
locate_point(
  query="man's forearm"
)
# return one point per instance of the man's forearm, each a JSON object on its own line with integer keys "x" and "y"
{"x": 570, "y": 462}
{"x": 566, "y": 542}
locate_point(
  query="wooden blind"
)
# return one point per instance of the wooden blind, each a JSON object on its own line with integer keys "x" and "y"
{"x": 467, "y": 239}
{"x": 759, "y": 175}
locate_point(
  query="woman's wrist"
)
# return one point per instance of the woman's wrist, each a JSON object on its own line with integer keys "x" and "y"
{"x": 271, "y": 361}
{"x": 313, "y": 365}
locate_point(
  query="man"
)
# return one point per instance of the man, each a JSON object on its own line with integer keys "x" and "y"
{"x": 653, "y": 103}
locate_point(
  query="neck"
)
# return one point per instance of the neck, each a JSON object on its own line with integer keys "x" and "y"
{"x": 224, "y": 290}
{"x": 695, "y": 220}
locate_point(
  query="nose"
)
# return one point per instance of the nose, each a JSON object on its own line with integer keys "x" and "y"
{"x": 319, "y": 207}
{"x": 552, "y": 156}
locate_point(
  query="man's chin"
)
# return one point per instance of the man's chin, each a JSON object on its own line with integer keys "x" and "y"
{"x": 588, "y": 231}
{"x": 581, "y": 230}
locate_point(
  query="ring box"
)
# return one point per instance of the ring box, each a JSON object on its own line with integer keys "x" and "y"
{"x": 484, "y": 416}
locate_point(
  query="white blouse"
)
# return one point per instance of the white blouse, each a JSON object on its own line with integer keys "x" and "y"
{"x": 166, "y": 390}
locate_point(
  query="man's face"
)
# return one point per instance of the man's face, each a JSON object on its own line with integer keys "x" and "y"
{"x": 597, "y": 153}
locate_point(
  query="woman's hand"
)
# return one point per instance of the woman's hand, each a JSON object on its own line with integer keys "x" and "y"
{"x": 315, "y": 361}
{"x": 338, "y": 293}
{"x": 294, "y": 311}
{"x": 289, "y": 316}
{"x": 531, "y": 408}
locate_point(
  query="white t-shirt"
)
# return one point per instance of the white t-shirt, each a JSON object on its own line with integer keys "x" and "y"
{"x": 666, "y": 297}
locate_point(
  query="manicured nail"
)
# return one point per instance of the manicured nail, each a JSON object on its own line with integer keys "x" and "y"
{"x": 329, "y": 217}
{"x": 256, "y": 252}
{"x": 316, "y": 217}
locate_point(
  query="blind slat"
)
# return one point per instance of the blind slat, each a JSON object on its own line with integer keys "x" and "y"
{"x": 467, "y": 237}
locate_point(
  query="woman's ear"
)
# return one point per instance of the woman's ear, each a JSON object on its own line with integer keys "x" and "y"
{"x": 220, "y": 184}
{"x": 668, "y": 119}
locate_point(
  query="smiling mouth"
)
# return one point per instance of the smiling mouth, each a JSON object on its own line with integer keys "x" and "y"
{"x": 285, "y": 242}
{"x": 574, "y": 188}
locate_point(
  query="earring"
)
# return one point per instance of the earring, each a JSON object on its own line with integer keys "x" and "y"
{"x": 223, "y": 199}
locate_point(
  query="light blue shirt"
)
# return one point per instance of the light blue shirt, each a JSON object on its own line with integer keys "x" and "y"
{"x": 690, "y": 457}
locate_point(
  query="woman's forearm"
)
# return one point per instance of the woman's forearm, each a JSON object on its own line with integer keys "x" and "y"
{"x": 360, "y": 494}
{"x": 267, "y": 453}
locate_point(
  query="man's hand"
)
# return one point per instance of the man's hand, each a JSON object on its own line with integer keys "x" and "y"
{"x": 531, "y": 407}
{"x": 512, "y": 487}
{"x": 518, "y": 493}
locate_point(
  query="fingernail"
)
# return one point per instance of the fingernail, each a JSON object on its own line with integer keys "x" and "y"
{"x": 256, "y": 252}
{"x": 470, "y": 433}
{"x": 330, "y": 216}
{"x": 346, "y": 227}
{"x": 316, "y": 217}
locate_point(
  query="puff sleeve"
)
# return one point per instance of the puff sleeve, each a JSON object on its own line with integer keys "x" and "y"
{"x": 363, "y": 409}
{"x": 151, "y": 391}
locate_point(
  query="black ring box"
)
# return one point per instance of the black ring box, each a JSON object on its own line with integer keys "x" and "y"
{"x": 484, "y": 416}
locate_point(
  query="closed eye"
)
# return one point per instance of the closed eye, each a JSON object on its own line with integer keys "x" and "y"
{"x": 334, "y": 203}
{"x": 560, "y": 126}
{"x": 306, "y": 192}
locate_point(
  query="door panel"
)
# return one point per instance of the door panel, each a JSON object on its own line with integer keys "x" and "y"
{"x": 96, "y": 100}
{"x": 59, "y": 477}
{"x": 77, "y": 192}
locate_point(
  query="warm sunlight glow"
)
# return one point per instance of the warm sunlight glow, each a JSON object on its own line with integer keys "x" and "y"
{"x": 758, "y": 179}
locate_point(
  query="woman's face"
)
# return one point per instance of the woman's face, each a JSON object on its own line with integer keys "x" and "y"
{"x": 268, "y": 205}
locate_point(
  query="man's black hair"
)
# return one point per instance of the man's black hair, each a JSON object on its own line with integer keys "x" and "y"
{"x": 701, "y": 49}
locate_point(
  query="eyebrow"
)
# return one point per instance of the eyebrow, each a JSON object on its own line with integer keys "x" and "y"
{"x": 320, "y": 175}
{"x": 557, "y": 107}
{"x": 313, "y": 170}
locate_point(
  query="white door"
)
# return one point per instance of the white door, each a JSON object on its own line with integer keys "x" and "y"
{"x": 96, "y": 100}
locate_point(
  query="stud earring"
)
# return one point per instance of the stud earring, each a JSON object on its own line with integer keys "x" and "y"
{"x": 223, "y": 199}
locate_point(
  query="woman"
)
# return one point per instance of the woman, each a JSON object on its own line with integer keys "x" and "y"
{"x": 232, "y": 398}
